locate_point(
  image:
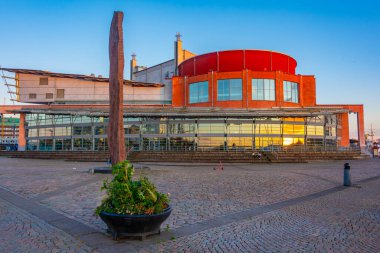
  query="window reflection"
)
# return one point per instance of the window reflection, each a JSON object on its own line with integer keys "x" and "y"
{"x": 290, "y": 92}
{"x": 182, "y": 128}
{"x": 270, "y": 143}
{"x": 198, "y": 92}
{"x": 287, "y": 141}
{"x": 63, "y": 131}
{"x": 268, "y": 129}
{"x": 229, "y": 89}
{"x": 263, "y": 89}
{"x": 153, "y": 128}
{"x": 315, "y": 130}
{"x": 294, "y": 129}
{"x": 216, "y": 142}
{"x": 234, "y": 142}
{"x": 183, "y": 133}
{"x": 212, "y": 128}
{"x": 239, "y": 128}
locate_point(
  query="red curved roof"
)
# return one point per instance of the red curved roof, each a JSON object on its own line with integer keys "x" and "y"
{"x": 237, "y": 60}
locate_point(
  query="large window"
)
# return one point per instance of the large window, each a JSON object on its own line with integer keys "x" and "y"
{"x": 290, "y": 92}
{"x": 211, "y": 128}
{"x": 229, "y": 89}
{"x": 268, "y": 128}
{"x": 182, "y": 128}
{"x": 294, "y": 129}
{"x": 153, "y": 128}
{"x": 263, "y": 89}
{"x": 198, "y": 92}
{"x": 267, "y": 143}
{"x": 239, "y": 128}
{"x": 314, "y": 130}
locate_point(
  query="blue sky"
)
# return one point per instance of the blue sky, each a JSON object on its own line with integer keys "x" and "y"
{"x": 337, "y": 41}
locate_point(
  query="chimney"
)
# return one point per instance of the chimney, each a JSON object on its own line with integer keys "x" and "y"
{"x": 178, "y": 52}
{"x": 133, "y": 65}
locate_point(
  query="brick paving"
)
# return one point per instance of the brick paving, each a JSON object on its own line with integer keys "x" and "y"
{"x": 32, "y": 177}
{"x": 22, "y": 232}
{"x": 333, "y": 223}
{"x": 201, "y": 195}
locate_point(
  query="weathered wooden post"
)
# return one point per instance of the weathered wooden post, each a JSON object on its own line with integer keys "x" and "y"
{"x": 116, "y": 79}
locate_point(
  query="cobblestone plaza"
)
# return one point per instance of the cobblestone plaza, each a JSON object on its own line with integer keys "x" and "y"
{"x": 47, "y": 206}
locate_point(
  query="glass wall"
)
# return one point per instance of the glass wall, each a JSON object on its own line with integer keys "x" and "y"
{"x": 239, "y": 142}
{"x": 263, "y": 89}
{"x": 290, "y": 92}
{"x": 229, "y": 89}
{"x": 271, "y": 128}
{"x": 198, "y": 92}
{"x": 182, "y": 128}
{"x": 239, "y": 128}
{"x": 57, "y": 132}
{"x": 268, "y": 143}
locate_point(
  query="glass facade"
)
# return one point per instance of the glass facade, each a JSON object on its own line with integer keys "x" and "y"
{"x": 229, "y": 89}
{"x": 198, "y": 92}
{"x": 263, "y": 89}
{"x": 57, "y": 132}
{"x": 290, "y": 92}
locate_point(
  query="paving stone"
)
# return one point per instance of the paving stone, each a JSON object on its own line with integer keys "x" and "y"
{"x": 345, "y": 221}
{"x": 244, "y": 208}
{"x": 22, "y": 232}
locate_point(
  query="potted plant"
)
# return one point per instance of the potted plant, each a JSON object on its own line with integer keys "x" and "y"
{"x": 132, "y": 207}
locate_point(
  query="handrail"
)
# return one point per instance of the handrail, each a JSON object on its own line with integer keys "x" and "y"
{"x": 275, "y": 154}
{"x": 274, "y": 150}
{"x": 129, "y": 150}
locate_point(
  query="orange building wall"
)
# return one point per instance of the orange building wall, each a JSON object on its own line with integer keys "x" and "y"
{"x": 344, "y": 133}
{"x": 177, "y": 91}
{"x": 359, "y": 110}
{"x": 306, "y": 89}
{"x": 21, "y": 133}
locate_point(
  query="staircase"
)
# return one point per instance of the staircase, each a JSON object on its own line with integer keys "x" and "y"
{"x": 196, "y": 157}
{"x": 86, "y": 156}
{"x": 190, "y": 157}
{"x": 309, "y": 156}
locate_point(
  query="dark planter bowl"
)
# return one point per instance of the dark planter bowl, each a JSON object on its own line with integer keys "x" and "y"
{"x": 140, "y": 225}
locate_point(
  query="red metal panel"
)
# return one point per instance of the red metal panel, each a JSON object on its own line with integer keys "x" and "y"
{"x": 237, "y": 60}
{"x": 180, "y": 70}
{"x": 292, "y": 66}
{"x": 231, "y": 60}
{"x": 257, "y": 60}
{"x": 187, "y": 67}
{"x": 279, "y": 62}
{"x": 206, "y": 63}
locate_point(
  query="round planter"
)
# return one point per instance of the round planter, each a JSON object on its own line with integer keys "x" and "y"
{"x": 140, "y": 225}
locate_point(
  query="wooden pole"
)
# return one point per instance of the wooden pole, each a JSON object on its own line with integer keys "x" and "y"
{"x": 115, "y": 133}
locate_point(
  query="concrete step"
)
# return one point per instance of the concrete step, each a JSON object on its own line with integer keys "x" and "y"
{"x": 208, "y": 156}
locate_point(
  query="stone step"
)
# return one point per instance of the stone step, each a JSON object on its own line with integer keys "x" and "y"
{"x": 205, "y": 156}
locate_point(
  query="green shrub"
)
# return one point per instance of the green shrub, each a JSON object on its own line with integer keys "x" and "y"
{"x": 125, "y": 196}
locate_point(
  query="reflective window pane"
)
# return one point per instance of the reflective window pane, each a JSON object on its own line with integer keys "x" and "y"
{"x": 290, "y": 92}
{"x": 229, "y": 89}
{"x": 198, "y": 92}
{"x": 263, "y": 89}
